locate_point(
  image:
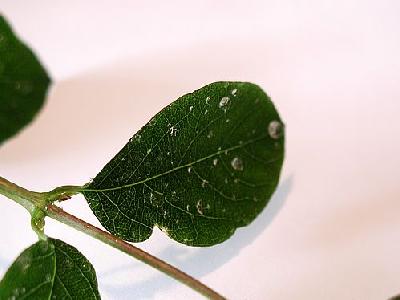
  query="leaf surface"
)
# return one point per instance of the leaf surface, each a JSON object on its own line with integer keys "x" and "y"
{"x": 23, "y": 83}
{"x": 202, "y": 167}
{"x": 50, "y": 269}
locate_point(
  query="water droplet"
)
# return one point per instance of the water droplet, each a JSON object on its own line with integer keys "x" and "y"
{"x": 123, "y": 158}
{"x": 226, "y": 180}
{"x": 24, "y": 87}
{"x": 199, "y": 207}
{"x": 227, "y": 120}
{"x": 204, "y": 183}
{"x": 191, "y": 108}
{"x": 215, "y": 161}
{"x": 173, "y": 131}
{"x": 237, "y": 164}
{"x": 210, "y": 134}
{"x": 275, "y": 129}
{"x": 207, "y": 100}
{"x": 219, "y": 148}
{"x": 206, "y": 112}
{"x": 165, "y": 214}
{"x": 233, "y": 92}
{"x": 168, "y": 153}
{"x": 224, "y": 102}
{"x": 188, "y": 207}
{"x": 189, "y": 169}
{"x": 148, "y": 151}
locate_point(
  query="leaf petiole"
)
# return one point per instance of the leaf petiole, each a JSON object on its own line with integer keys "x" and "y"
{"x": 41, "y": 205}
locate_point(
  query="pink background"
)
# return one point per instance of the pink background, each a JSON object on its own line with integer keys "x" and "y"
{"x": 332, "y": 68}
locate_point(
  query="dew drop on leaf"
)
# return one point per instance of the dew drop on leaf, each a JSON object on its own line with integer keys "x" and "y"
{"x": 224, "y": 102}
{"x": 275, "y": 129}
{"x": 237, "y": 164}
{"x": 173, "y": 131}
{"x": 199, "y": 207}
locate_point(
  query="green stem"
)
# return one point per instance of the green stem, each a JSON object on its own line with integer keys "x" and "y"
{"x": 29, "y": 200}
{"x": 41, "y": 204}
{"x": 60, "y": 215}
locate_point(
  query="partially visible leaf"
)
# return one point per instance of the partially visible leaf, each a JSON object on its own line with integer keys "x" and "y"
{"x": 23, "y": 83}
{"x": 203, "y": 166}
{"x": 50, "y": 269}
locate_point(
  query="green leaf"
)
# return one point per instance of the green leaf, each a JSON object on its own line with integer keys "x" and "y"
{"x": 203, "y": 166}
{"x": 50, "y": 269}
{"x": 23, "y": 83}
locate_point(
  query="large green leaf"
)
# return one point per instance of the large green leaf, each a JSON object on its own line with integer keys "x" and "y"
{"x": 203, "y": 166}
{"x": 23, "y": 83}
{"x": 50, "y": 269}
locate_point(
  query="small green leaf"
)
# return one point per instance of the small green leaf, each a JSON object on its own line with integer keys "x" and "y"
{"x": 23, "y": 83}
{"x": 203, "y": 166}
{"x": 50, "y": 269}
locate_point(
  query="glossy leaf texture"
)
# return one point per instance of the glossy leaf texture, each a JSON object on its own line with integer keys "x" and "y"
{"x": 202, "y": 167}
{"x": 50, "y": 269}
{"x": 23, "y": 83}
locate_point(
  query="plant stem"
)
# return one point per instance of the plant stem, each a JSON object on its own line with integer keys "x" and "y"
{"x": 29, "y": 200}
{"x": 33, "y": 201}
{"x": 60, "y": 215}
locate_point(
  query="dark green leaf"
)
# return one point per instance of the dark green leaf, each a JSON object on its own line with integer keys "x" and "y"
{"x": 23, "y": 83}
{"x": 50, "y": 269}
{"x": 203, "y": 166}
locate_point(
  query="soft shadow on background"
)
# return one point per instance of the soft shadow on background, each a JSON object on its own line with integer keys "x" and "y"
{"x": 88, "y": 112}
{"x": 89, "y": 117}
{"x": 201, "y": 261}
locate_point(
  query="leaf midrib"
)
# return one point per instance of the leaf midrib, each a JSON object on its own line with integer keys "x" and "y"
{"x": 176, "y": 168}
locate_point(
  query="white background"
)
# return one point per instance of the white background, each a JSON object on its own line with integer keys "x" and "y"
{"x": 332, "y": 68}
